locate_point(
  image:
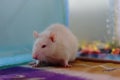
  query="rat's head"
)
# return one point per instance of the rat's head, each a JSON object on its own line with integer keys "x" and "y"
{"x": 44, "y": 45}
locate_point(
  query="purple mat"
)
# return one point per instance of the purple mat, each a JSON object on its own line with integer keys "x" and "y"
{"x": 22, "y": 73}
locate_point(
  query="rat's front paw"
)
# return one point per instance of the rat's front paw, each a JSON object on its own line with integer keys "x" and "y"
{"x": 35, "y": 64}
{"x": 31, "y": 63}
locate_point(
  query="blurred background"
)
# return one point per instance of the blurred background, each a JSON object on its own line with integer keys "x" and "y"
{"x": 92, "y": 19}
{"x": 89, "y": 20}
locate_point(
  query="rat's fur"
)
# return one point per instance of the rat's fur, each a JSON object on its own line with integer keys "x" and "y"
{"x": 60, "y": 45}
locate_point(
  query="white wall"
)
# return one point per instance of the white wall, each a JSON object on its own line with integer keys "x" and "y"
{"x": 117, "y": 27}
{"x": 88, "y": 19}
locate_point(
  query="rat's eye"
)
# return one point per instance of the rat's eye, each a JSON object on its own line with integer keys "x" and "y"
{"x": 43, "y": 46}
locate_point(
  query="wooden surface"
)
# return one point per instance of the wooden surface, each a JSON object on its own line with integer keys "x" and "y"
{"x": 91, "y": 69}
{"x": 95, "y": 67}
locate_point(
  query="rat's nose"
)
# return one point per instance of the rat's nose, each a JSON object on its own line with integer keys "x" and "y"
{"x": 35, "y": 57}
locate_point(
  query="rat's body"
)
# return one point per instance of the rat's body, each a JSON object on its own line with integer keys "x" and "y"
{"x": 56, "y": 44}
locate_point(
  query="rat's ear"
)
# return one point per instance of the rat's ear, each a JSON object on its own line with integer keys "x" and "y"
{"x": 35, "y": 34}
{"x": 52, "y": 37}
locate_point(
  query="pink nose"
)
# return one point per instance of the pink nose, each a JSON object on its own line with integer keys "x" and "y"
{"x": 35, "y": 57}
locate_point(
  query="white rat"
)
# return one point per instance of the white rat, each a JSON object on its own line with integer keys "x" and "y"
{"x": 56, "y": 44}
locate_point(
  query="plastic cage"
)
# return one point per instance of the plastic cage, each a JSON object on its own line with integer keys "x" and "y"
{"x": 18, "y": 20}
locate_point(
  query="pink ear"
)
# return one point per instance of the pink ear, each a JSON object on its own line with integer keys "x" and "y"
{"x": 52, "y": 37}
{"x": 35, "y": 34}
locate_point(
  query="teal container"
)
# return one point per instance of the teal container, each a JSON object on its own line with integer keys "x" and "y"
{"x": 18, "y": 20}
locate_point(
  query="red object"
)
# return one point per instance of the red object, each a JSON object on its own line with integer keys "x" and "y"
{"x": 96, "y": 52}
{"x": 85, "y": 51}
{"x": 116, "y": 51}
{"x": 90, "y": 52}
